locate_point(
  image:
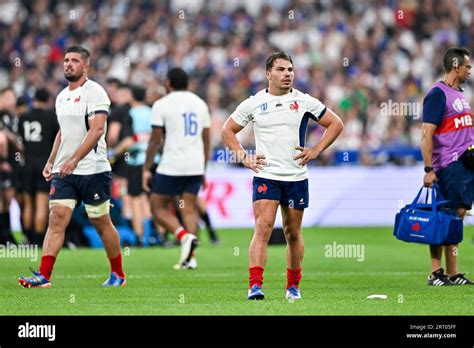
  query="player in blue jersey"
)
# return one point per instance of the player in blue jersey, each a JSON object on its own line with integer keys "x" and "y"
{"x": 135, "y": 146}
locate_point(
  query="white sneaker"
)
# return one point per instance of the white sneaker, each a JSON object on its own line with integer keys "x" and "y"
{"x": 189, "y": 242}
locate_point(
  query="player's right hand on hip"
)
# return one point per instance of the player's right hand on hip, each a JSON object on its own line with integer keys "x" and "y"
{"x": 429, "y": 179}
{"x": 47, "y": 171}
{"x": 254, "y": 162}
{"x": 146, "y": 179}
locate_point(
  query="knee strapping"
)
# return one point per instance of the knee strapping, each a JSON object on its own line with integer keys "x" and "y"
{"x": 95, "y": 211}
{"x": 70, "y": 203}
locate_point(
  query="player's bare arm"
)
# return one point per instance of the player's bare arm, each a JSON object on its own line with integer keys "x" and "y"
{"x": 154, "y": 144}
{"x": 427, "y": 130}
{"x": 334, "y": 127}
{"x": 123, "y": 146}
{"x": 206, "y": 139}
{"x": 14, "y": 140}
{"x": 113, "y": 133}
{"x": 48, "y": 168}
{"x": 229, "y": 131}
{"x": 97, "y": 129}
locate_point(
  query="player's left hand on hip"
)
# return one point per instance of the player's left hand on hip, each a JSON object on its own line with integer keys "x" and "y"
{"x": 68, "y": 167}
{"x": 307, "y": 154}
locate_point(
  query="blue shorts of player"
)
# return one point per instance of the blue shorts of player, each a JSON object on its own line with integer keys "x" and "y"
{"x": 169, "y": 185}
{"x": 91, "y": 189}
{"x": 456, "y": 183}
{"x": 294, "y": 194}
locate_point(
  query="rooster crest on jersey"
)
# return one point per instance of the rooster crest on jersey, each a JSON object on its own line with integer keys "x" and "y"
{"x": 284, "y": 130}
{"x": 294, "y": 106}
{"x": 88, "y": 99}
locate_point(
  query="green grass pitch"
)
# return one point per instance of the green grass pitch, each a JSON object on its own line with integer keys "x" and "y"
{"x": 330, "y": 286}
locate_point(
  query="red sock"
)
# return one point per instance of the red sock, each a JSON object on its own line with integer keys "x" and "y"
{"x": 293, "y": 277}
{"x": 46, "y": 266}
{"x": 180, "y": 232}
{"x": 256, "y": 276}
{"x": 116, "y": 265}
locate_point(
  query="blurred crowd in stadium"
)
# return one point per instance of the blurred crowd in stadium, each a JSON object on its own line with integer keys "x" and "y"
{"x": 370, "y": 61}
{"x": 353, "y": 55}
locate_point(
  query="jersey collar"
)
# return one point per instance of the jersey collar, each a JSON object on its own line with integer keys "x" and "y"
{"x": 459, "y": 90}
{"x": 291, "y": 91}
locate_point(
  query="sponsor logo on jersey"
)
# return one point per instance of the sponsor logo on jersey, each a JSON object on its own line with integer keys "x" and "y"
{"x": 96, "y": 197}
{"x": 262, "y": 188}
{"x": 455, "y": 123}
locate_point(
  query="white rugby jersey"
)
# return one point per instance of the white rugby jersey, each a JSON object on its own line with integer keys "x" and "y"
{"x": 279, "y": 124}
{"x": 73, "y": 108}
{"x": 183, "y": 115}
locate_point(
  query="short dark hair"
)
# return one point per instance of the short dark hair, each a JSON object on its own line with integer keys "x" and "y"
{"x": 178, "y": 78}
{"x": 274, "y": 56}
{"x": 138, "y": 93}
{"x": 85, "y": 55}
{"x": 42, "y": 95}
{"x": 21, "y": 101}
{"x": 454, "y": 57}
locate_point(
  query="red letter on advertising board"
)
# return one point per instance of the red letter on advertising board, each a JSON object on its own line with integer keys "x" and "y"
{"x": 211, "y": 198}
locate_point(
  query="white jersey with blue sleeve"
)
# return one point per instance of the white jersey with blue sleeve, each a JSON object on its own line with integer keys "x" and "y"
{"x": 74, "y": 109}
{"x": 279, "y": 124}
